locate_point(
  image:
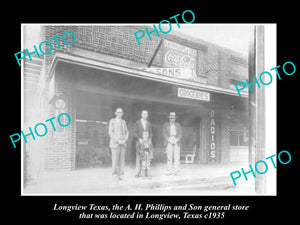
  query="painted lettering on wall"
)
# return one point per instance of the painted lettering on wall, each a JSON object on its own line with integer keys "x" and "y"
{"x": 179, "y": 56}
{"x": 178, "y": 60}
{"x": 180, "y": 73}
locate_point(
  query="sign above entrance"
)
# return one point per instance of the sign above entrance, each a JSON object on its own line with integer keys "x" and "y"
{"x": 179, "y": 56}
{"x": 193, "y": 94}
{"x": 178, "y": 61}
{"x": 181, "y": 73}
{"x": 212, "y": 147}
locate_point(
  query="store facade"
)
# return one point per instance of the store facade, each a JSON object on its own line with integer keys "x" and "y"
{"x": 105, "y": 69}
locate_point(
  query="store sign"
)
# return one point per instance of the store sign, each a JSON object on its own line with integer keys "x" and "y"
{"x": 193, "y": 94}
{"x": 212, "y": 141}
{"x": 180, "y": 73}
{"x": 179, "y": 56}
{"x": 179, "y": 61}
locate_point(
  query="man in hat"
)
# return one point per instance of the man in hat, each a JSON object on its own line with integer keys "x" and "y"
{"x": 172, "y": 136}
{"x": 118, "y": 133}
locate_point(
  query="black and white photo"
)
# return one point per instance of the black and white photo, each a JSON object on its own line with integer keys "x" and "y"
{"x": 162, "y": 117}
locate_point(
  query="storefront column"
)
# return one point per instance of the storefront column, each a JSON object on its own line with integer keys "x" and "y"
{"x": 256, "y": 108}
{"x": 252, "y": 98}
{"x": 60, "y": 152}
{"x": 260, "y": 181}
{"x": 224, "y": 136}
{"x": 204, "y": 127}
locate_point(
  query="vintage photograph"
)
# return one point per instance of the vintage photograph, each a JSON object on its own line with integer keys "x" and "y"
{"x": 104, "y": 115}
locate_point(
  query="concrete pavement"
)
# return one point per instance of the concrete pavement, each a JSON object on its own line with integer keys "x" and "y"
{"x": 195, "y": 179}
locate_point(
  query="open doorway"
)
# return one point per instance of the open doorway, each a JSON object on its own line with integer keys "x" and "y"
{"x": 95, "y": 110}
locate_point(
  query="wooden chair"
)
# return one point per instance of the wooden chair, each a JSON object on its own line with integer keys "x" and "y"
{"x": 187, "y": 154}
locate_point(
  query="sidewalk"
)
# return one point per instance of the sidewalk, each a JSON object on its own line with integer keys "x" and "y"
{"x": 195, "y": 179}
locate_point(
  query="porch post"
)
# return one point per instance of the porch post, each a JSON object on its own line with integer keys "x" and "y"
{"x": 252, "y": 96}
{"x": 257, "y": 107}
{"x": 260, "y": 181}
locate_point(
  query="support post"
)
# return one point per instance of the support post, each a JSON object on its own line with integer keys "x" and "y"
{"x": 251, "y": 94}
{"x": 260, "y": 153}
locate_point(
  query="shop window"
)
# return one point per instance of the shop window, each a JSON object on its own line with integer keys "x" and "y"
{"x": 234, "y": 138}
{"x": 239, "y": 137}
{"x": 239, "y": 132}
{"x": 188, "y": 136}
{"x": 158, "y": 140}
{"x": 94, "y": 133}
{"x": 92, "y": 142}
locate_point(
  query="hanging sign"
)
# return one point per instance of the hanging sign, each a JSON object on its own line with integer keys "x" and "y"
{"x": 180, "y": 73}
{"x": 179, "y": 56}
{"x": 193, "y": 94}
{"x": 212, "y": 135}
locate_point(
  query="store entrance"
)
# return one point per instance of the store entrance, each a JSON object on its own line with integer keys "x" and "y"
{"x": 95, "y": 110}
{"x": 98, "y": 94}
{"x": 188, "y": 117}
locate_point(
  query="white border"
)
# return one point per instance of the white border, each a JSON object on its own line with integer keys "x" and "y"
{"x": 22, "y": 112}
{"x": 271, "y": 104}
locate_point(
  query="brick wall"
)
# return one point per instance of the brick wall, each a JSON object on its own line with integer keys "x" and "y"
{"x": 217, "y": 64}
{"x": 223, "y": 69}
{"x": 117, "y": 41}
{"x": 212, "y": 66}
{"x": 50, "y": 32}
{"x": 238, "y": 70}
{"x": 60, "y": 150}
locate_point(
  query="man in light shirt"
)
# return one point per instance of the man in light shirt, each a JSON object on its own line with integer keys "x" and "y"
{"x": 118, "y": 133}
{"x": 172, "y": 140}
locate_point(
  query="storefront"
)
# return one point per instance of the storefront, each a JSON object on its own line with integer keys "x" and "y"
{"x": 93, "y": 84}
{"x": 138, "y": 94}
{"x": 207, "y": 124}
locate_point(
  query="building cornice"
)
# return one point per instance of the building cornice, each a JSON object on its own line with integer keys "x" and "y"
{"x": 127, "y": 67}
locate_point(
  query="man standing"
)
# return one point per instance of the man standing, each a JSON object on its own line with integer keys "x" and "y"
{"x": 172, "y": 136}
{"x": 143, "y": 135}
{"x": 118, "y": 133}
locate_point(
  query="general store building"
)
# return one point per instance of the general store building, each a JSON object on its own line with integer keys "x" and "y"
{"x": 105, "y": 68}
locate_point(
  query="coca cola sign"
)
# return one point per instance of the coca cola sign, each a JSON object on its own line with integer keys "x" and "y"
{"x": 178, "y": 60}
{"x": 179, "y": 56}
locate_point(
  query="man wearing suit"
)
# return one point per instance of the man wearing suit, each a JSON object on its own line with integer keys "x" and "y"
{"x": 143, "y": 126}
{"x": 118, "y": 133}
{"x": 172, "y": 136}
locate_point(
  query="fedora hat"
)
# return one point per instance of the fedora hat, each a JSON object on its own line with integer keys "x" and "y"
{"x": 172, "y": 115}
